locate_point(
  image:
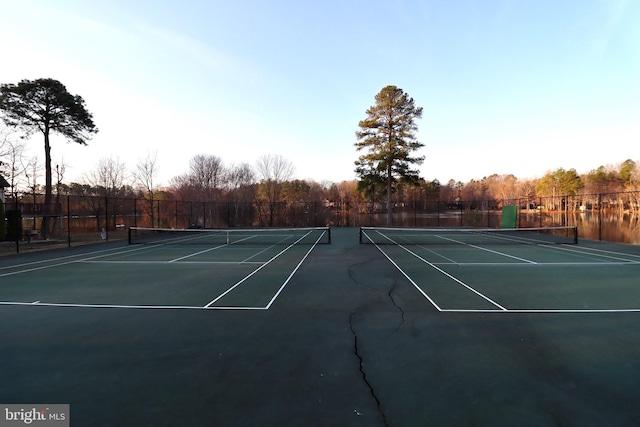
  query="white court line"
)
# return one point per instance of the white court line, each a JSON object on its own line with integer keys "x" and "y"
{"x": 227, "y": 245}
{"x": 623, "y": 261}
{"x": 28, "y": 270}
{"x": 415, "y": 285}
{"x": 116, "y": 251}
{"x": 138, "y": 307}
{"x": 255, "y": 271}
{"x": 57, "y": 259}
{"x": 455, "y": 279}
{"x": 197, "y": 253}
{"x": 488, "y": 250}
{"x": 537, "y": 264}
{"x": 451, "y": 261}
{"x": 170, "y": 262}
{"x": 294, "y": 272}
{"x": 256, "y": 254}
{"x": 543, "y": 311}
{"x": 586, "y": 251}
{"x": 408, "y": 278}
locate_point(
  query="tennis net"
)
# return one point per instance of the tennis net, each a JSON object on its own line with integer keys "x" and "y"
{"x": 468, "y": 236}
{"x": 231, "y": 236}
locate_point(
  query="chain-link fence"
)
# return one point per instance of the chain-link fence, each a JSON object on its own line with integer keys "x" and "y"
{"x": 74, "y": 220}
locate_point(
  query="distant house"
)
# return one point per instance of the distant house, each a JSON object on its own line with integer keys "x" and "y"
{"x": 3, "y": 184}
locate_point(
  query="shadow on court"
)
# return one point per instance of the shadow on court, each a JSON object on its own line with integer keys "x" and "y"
{"x": 348, "y": 342}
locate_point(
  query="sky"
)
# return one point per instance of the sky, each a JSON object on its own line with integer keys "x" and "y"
{"x": 507, "y": 87}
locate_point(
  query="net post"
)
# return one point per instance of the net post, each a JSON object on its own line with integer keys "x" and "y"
{"x": 575, "y": 235}
{"x": 129, "y": 235}
{"x": 360, "y": 235}
{"x": 329, "y": 234}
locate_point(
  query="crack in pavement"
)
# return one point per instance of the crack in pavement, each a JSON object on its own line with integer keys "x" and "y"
{"x": 393, "y": 301}
{"x": 352, "y": 274}
{"x": 361, "y": 366}
{"x": 380, "y": 288}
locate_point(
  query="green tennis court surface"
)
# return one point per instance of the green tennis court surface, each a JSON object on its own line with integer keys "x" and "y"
{"x": 511, "y": 270}
{"x": 177, "y": 269}
{"x": 460, "y": 332}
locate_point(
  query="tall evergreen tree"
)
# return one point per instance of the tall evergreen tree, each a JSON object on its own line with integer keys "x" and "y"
{"x": 45, "y": 106}
{"x": 388, "y": 135}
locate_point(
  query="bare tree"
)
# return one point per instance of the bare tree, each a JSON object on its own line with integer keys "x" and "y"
{"x": 240, "y": 180}
{"x": 145, "y": 175}
{"x": 108, "y": 176}
{"x": 273, "y": 170}
{"x": 109, "y": 180}
{"x": 527, "y": 190}
{"x": 204, "y": 181}
{"x": 5, "y": 139}
{"x": 239, "y": 183}
{"x": 12, "y": 164}
{"x": 60, "y": 169}
{"x": 208, "y": 174}
{"x": 33, "y": 169}
{"x": 146, "y": 172}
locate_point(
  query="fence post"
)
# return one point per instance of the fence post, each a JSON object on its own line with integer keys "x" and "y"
{"x": 600, "y": 217}
{"x": 151, "y": 216}
{"x": 106, "y": 218}
{"x": 540, "y": 211}
{"x": 68, "y": 221}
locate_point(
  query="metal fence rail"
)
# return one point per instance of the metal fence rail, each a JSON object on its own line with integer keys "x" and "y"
{"x": 76, "y": 220}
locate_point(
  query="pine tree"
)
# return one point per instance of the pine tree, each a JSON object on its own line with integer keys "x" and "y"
{"x": 45, "y": 106}
{"x": 388, "y": 135}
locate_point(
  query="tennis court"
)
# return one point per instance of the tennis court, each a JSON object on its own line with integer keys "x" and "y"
{"x": 536, "y": 270}
{"x": 378, "y": 328}
{"x": 189, "y": 269}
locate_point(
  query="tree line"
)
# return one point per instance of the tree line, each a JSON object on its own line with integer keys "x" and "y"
{"x": 385, "y": 171}
{"x": 270, "y": 180}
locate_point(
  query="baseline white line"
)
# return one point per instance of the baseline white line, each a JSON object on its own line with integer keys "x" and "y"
{"x": 255, "y": 271}
{"x": 144, "y": 307}
{"x": 543, "y": 311}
